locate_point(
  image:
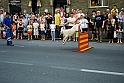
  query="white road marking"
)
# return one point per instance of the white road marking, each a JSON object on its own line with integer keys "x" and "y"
{"x": 90, "y": 71}
{"x": 19, "y": 46}
{"x": 17, "y": 63}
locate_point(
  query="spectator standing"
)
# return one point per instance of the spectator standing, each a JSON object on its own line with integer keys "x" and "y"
{"x": 92, "y": 21}
{"x": 20, "y": 29}
{"x": 62, "y": 21}
{"x": 99, "y": 25}
{"x": 107, "y": 13}
{"x": 42, "y": 30}
{"x": 48, "y": 22}
{"x": 1, "y": 20}
{"x": 14, "y": 30}
{"x": 119, "y": 33}
{"x": 7, "y": 22}
{"x": 120, "y": 14}
{"x": 83, "y": 24}
{"x": 65, "y": 20}
{"x": 61, "y": 11}
{"x": 57, "y": 22}
{"x": 25, "y": 23}
{"x": 110, "y": 28}
{"x": 53, "y": 27}
{"x": 122, "y": 19}
{"x": 36, "y": 26}
{"x": 71, "y": 22}
{"x": 115, "y": 10}
{"x": 75, "y": 15}
{"x": 87, "y": 17}
{"x": 29, "y": 27}
{"x": 25, "y": 14}
{"x": 1, "y": 15}
{"x": 16, "y": 19}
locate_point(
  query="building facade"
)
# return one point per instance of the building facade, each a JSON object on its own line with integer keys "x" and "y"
{"x": 40, "y": 6}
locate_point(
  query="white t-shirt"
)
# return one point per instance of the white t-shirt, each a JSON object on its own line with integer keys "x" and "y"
{"x": 52, "y": 27}
{"x": 42, "y": 27}
{"x": 71, "y": 20}
{"x": 35, "y": 25}
{"x": 83, "y": 23}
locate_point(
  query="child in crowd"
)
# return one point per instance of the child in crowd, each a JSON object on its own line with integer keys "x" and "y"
{"x": 53, "y": 27}
{"x": 20, "y": 29}
{"x": 42, "y": 28}
{"x": 119, "y": 33}
{"x": 29, "y": 27}
{"x": 35, "y": 26}
{"x": 14, "y": 30}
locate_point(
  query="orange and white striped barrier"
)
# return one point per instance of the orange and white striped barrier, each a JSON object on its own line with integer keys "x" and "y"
{"x": 83, "y": 42}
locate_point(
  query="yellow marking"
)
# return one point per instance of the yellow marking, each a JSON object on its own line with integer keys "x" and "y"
{"x": 82, "y": 36}
{"x": 85, "y": 49}
{"x": 85, "y": 40}
{"x": 81, "y": 46}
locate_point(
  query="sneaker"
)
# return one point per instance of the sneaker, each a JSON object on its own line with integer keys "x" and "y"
{"x": 121, "y": 42}
{"x": 96, "y": 39}
{"x": 109, "y": 42}
{"x": 91, "y": 39}
{"x": 118, "y": 42}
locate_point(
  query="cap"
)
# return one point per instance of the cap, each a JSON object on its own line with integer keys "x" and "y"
{"x": 122, "y": 9}
{"x": 98, "y": 11}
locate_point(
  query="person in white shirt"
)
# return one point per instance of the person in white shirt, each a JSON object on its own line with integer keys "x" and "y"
{"x": 53, "y": 27}
{"x": 83, "y": 24}
{"x": 35, "y": 26}
{"x": 71, "y": 21}
{"x": 42, "y": 30}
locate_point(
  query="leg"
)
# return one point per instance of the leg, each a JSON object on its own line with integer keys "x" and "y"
{"x": 100, "y": 34}
{"x": 54, "y": 36}
{"x": 65, "y": 39}
{"x": 9, "y": 34}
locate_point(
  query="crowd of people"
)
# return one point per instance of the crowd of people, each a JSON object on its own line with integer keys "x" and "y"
{"x": 44, "y": 26}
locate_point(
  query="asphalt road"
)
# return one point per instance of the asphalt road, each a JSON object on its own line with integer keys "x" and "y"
{"x": 39, "y": 61}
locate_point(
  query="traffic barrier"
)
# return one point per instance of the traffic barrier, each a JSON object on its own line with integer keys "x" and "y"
{"x": 83, "y": 41}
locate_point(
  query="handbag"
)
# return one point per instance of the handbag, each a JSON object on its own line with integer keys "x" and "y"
{"x": 115, "y": 34}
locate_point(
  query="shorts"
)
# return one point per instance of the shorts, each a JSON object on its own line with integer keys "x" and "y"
{"x": 119, "y": 35}
{"x": 20, "y": 30}
{"x": 30, "y": 32}
{"x": 42, "y": 32}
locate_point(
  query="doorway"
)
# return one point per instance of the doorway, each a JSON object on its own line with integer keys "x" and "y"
{"x": 15, "y": 9}
{"x": 35, "y": 8}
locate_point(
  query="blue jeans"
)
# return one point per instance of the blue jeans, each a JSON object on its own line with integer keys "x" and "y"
{"x": 9, "y": 36}
{"x": 53, "y": 35}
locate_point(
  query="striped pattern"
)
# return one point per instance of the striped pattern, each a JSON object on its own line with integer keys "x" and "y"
{"x": 83, "y": 42}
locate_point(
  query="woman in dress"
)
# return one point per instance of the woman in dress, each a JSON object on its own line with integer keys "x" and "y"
{"x": 35, "y": 27}
{"x": 110, "y": 28}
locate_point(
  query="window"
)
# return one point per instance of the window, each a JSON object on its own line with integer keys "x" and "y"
{"x": 98, "y": 3}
